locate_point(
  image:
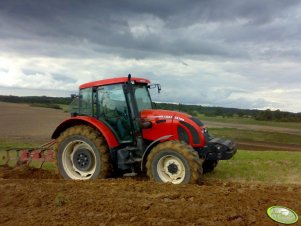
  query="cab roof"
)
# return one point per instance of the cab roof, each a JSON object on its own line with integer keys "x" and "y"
{"x": 111, "y": 81}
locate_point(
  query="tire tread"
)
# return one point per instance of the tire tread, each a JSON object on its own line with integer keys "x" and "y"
{"x": 95, "y": 137}
{"x": 186, "y": 151}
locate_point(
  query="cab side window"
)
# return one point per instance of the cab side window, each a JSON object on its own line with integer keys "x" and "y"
{"x": 86, "y": 102}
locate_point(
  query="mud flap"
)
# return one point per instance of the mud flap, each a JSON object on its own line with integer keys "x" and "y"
{"x": 220, "y": 149}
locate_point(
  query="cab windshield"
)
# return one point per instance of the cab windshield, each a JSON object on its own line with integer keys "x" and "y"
{"x": 142, "y": 97}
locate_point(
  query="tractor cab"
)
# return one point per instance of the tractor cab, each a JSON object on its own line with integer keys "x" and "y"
{"x": 115, "y": 102}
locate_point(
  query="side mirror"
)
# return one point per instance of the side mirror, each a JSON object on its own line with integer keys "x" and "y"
{"x": 73, "y": 96}
{"x": 152, "y": 86}
{"x": 159, "y": 88}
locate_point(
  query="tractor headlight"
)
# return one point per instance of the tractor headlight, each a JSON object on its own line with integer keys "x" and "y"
{"x": 204, "y": 131}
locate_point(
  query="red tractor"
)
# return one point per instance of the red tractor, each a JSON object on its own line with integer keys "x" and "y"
{"x": 115, "y": 129}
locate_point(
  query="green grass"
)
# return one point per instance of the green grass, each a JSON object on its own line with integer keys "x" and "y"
{"x": 7, "y": 144}
{"x": 262, "y": 166}
{"x": 251, "y": 135}
{"x": 65, "y": 108}
{"x": 250, "y": 121}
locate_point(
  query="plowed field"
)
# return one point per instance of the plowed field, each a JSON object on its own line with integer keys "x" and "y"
{"x": 28, "y": 124}
{"x": 30, "y": 197}
{"x": 35, "y": 197}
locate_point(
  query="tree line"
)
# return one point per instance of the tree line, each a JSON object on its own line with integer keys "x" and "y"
{"x": 38, "y": 101}
{"x": 35, "y": 99}
{"x": 263, "y": 115}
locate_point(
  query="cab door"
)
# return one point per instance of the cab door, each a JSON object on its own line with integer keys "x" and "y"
{"x": 112, "y": 108}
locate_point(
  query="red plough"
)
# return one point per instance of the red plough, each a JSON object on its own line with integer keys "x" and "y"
{"x": 24, "y": 156}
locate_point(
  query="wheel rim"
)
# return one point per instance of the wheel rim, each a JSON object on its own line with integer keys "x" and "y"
{"x": 79, "y": 160}
{"x": 171, "y": 169}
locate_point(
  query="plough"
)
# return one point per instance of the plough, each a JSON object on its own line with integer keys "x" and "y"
{"x": 24, "y": 156}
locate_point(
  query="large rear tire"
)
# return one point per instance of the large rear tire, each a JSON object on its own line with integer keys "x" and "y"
{"x": 82, "y": 154}
{"x": 174, "y": 162}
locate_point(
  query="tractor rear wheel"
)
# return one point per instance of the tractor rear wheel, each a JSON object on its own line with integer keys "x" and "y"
{"x": 174, "y": 162}
{"x": 82, "y": 154}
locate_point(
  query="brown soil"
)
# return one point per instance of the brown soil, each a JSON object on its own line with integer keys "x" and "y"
{"x": 265, "y": 146}
{"x": 28, "y": 124}
{"x": 30, "y": 200}
{"x": 36, "y": 197}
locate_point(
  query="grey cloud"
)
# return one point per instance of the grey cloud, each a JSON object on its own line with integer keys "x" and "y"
{"x": 105, "y": 25}
{"x": 57, "y": 77}
{"x": 63, "y": 78}
{"x": 34, "y": 92}
{"x": 3, "y": 70}
{"x": 245, "y": 103}
{"x": 219, "y": 100}
{"x": 247, "y": 34}
{"x": 31, "y": 72}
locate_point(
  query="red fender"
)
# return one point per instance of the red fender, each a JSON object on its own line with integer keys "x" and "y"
{"x": 90, "y": 121}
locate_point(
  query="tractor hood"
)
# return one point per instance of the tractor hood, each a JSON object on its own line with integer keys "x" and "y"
{"x": 178, "y": 125}
{"x": 150, "y": 115}
{"x": 184, "y": 127}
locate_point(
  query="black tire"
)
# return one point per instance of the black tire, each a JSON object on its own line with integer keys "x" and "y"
{"x": 209, "y": 165}
{"x": 82, "y": 154}
{"x": 174, "y": 162}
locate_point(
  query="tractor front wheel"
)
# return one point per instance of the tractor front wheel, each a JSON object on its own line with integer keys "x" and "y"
{"x": 174, "y": 162}
{"x": 209, "y": 165}
{"x": 82, "y": 154}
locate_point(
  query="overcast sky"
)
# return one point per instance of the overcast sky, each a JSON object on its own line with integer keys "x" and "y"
{"x": 234, "y": 53}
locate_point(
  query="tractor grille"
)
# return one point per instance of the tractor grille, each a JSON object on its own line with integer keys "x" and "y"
{"x": 207, "y": 136}
{"x": 195, "y": 136}
{"x": 183, "y": 135}
{"x": 197, "y": 121}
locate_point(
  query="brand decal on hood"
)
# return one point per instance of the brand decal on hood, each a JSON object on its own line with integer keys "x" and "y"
{"x": 179, "y": 118}
{"x": 168, "y": 117}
